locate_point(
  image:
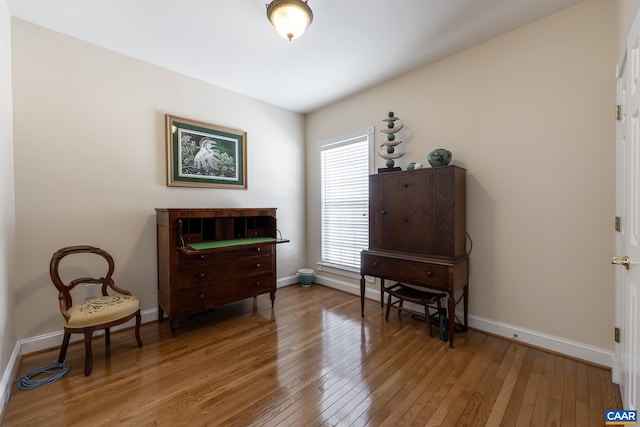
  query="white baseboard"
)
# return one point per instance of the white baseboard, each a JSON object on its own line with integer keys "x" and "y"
{"x": 8, "y": 378}
{"x": 347, "y": 287}
{"x": 552, "y": 343}
{"x": 570, "y": 348}
{"x": 286, "y": 281}
{"x": 616, "y": 368}
{"x": 54, "y": 339}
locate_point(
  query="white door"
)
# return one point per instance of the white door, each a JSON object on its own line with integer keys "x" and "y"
{"x": 627, "y": 209}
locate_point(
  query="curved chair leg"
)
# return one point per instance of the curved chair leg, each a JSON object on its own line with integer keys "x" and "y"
{"x": 63, "y": 349}
{"x": 88, "y": 356}
{"x": 107, "y": 336}
{"x": 138, "y": 321}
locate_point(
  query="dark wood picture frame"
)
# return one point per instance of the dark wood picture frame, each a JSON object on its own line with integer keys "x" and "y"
{"x": 201, "y": 154}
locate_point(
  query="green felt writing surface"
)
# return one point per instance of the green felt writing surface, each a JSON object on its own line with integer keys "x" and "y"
{"x": 234, "y": 242}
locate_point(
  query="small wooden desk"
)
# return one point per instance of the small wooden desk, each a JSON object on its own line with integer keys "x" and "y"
{"x": 433, "y": 272}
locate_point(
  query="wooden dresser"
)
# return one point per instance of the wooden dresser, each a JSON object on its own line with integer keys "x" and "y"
{"x": 211, "y": 257}
{"x": 417, "y": 233}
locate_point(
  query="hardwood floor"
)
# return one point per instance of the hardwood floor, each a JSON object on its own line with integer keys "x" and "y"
{"x": 312, "y": 361}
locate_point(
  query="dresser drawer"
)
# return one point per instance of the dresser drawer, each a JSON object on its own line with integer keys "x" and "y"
{"x": 405, "y": 270}
{"x": 220, "y": 256}
{"x": 195, "y": 300}
{"x": 202, "y": 275}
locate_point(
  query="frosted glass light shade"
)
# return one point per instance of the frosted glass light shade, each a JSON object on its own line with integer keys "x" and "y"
{"x": 289, "y": 17}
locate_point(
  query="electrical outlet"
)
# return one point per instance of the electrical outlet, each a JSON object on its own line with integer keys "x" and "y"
{"x": 295, "y": 255}
{"x": 90, "y": 290}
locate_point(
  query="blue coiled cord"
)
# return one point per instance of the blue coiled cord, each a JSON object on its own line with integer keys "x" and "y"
{"x": 57, "y": 371}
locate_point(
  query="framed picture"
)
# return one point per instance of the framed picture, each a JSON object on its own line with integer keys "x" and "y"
{"x": 205, "y": 155}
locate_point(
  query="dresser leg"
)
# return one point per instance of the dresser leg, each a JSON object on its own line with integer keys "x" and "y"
{"x": 273, "y": 298}
{"x": 173, "y": 324}
{"x": 160, "y": 314}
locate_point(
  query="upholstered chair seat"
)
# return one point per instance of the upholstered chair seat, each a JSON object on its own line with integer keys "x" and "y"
{"x": 104, "y": 309}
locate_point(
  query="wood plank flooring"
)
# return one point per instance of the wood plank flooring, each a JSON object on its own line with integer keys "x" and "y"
{"x": 312, "y": 361}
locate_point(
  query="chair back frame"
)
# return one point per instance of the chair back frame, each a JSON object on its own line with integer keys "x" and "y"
{"x": 106, "y": 282}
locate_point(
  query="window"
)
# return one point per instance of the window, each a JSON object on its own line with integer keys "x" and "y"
{"x": 345, "y": 165}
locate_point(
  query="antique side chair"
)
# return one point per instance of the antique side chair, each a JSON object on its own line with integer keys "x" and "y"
{"x": 100, "y": 312}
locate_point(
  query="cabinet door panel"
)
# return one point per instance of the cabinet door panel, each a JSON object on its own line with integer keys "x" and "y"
{"x": 449, "y": 210}
{"x": 376, "y": 212}
{"x": 402, "y": 211}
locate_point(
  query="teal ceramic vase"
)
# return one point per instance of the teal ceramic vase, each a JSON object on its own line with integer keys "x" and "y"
{"x": 439, "y": 157}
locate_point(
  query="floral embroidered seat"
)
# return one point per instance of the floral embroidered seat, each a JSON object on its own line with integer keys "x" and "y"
{"x": 101, "y": 312}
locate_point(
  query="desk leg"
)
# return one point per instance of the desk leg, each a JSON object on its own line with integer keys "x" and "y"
{"x": 465, "y": 300}
{"x": 362, "y": 294}
{"x": 452, "y": 317}
{"x": 381, "y": 292}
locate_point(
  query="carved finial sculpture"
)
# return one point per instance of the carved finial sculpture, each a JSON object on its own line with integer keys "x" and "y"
{"x": 389, "y": 153}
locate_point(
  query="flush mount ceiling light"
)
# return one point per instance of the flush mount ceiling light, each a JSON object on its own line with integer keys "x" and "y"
{"x": 290, "y": 17}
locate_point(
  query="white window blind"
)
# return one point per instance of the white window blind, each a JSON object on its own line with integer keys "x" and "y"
{"x": 345, "y": 167}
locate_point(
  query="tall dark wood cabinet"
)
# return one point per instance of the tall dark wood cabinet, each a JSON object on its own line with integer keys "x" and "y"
{"x": 211, "y": 257}
{"x": 417, "y": 233}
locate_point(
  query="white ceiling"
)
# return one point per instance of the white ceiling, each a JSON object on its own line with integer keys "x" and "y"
{"x": 350, "y": 46}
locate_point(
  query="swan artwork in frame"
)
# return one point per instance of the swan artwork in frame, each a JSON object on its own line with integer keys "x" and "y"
{"x": 200, "y": 154}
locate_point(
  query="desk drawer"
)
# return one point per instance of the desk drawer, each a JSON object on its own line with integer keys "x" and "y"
{"x": 201, "y": 275}
{"x": 405, "y": 270}
{"x": 198, "y": 299}
{"x": 215, "y": 257}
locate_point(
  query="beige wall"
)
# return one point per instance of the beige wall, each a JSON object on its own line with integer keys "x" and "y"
{"x": 90, "y": 163}
{"x": 529, "y": 114}
{"x": 626, "y": 11}
{"x": 7, "y": 200}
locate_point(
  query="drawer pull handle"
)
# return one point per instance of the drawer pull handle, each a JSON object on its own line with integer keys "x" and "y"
{"x": 258, "y": 249}
{"x": 375, "y": 264}
{"x": 383, "y": 212}
{"x": 430, "y": 273}
{"x": 258, "y": 282}
{"x": 406, "y": 185}
{"x": 201, "y": 275}
{"x": 201, "y": 296}
{"x": 405, "y": 220}
{"x": 258, "y": 265}
{"x": 200, "y": 256}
